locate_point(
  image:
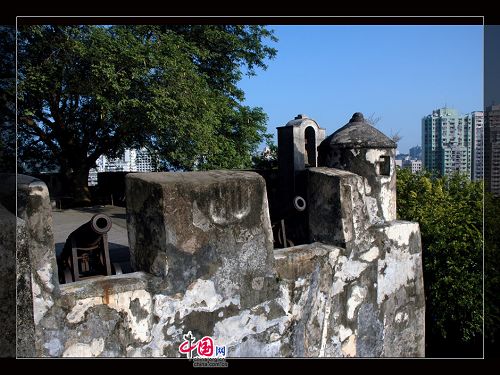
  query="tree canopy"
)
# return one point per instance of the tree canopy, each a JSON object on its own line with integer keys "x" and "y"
{"x": 450, "y": 213}
{"x": 491, "y": 274}
{"x": 7, "y": 99}
{"x": 88, "y": 90}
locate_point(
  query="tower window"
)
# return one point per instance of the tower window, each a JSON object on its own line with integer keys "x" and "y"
{"x": 385, "y": 165}
{"x": 310, "y": 147}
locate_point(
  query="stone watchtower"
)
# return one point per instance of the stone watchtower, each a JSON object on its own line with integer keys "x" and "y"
{"x": 359, "y": 148}
{"x": 298, "y": 142}
{"x": 297, "y": 150}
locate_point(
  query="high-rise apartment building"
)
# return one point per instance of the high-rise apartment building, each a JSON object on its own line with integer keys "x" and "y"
{"x": 144, "y": 161}
{"x": 416, "y": 153}
{"x": 131, "y": 160}
{"x": 492, "y": 149}
{"x": 123, "y": 163}
{"x": 476, "y": 121}
{"x": 447, "y": 142}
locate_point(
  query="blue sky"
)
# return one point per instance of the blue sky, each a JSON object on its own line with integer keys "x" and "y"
{"x": 399, "y": 73}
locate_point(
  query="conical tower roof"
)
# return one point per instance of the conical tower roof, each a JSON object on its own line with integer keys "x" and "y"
{"x": 358, "y": 133}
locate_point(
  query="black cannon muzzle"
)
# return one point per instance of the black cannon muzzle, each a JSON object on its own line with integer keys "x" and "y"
{"x": 101, "y": 223}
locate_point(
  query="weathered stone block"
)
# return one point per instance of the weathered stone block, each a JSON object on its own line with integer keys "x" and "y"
{"x": 400, "y": 287}
{"x": 380, "y": 189}
{"x": 8, "y": 264}
{"x": 24, "y": 297}
{"x": 336, "y": 206}
{"x": 202, "y": 225}
{"x": 37, "y": 279}
{"x": 7, "y": 282}
{"x": 307, "y": 272}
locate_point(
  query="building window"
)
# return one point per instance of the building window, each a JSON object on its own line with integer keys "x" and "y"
{"x": 385, "y": 166}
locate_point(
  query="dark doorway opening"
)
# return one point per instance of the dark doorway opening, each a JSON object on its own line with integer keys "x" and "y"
{"x": 310, "y": 147}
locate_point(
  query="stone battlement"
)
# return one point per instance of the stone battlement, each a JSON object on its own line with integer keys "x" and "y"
{"x": 202, "y": 246}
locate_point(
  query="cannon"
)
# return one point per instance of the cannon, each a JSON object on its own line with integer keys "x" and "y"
{"x": 294, "y": 223}
{"x": 86, "y": 252}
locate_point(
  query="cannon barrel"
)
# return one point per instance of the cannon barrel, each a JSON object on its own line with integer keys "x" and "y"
{"x": 91, "y": 239}
{"x": 88, "y": 234}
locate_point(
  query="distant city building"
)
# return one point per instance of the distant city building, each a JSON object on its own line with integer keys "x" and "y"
{"x": 403, "y": 157}
{"x": 92, "y": 177}
{"x": 410, "y": 161}
{"x": 492, "y": 149}
{"x": 145, "y": 161}
{"x": 476, "y": 121}
{"x": 447, "y": 142}
{"x": 131, "y": 160}
{"x": 414, "y": 165}
{"x": 123, "y": 163}
{"x": 416, "y": 153}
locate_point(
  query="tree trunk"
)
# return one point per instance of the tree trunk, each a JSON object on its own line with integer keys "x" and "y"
{"x": 78, "y": 185}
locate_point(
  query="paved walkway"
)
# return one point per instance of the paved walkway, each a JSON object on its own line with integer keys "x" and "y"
{"x": 66, "y": 221}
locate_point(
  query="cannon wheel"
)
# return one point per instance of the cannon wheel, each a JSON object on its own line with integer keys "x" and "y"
{"x": 282, "y": 240}
{"x": 118, "y": 268}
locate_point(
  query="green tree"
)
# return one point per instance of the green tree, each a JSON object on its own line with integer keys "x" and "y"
{"x": 492, "y": 274}
{"x": 7, "y": 98}
{"x": 449, "y": 211}
{"x": 89, "y": 90}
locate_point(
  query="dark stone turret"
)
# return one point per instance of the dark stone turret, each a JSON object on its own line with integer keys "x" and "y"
{"x": 359, "y": 148}
{"x": 357, "y": 133}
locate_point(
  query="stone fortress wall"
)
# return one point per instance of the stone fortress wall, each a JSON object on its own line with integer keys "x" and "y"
{"x": 202, "y": 245}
